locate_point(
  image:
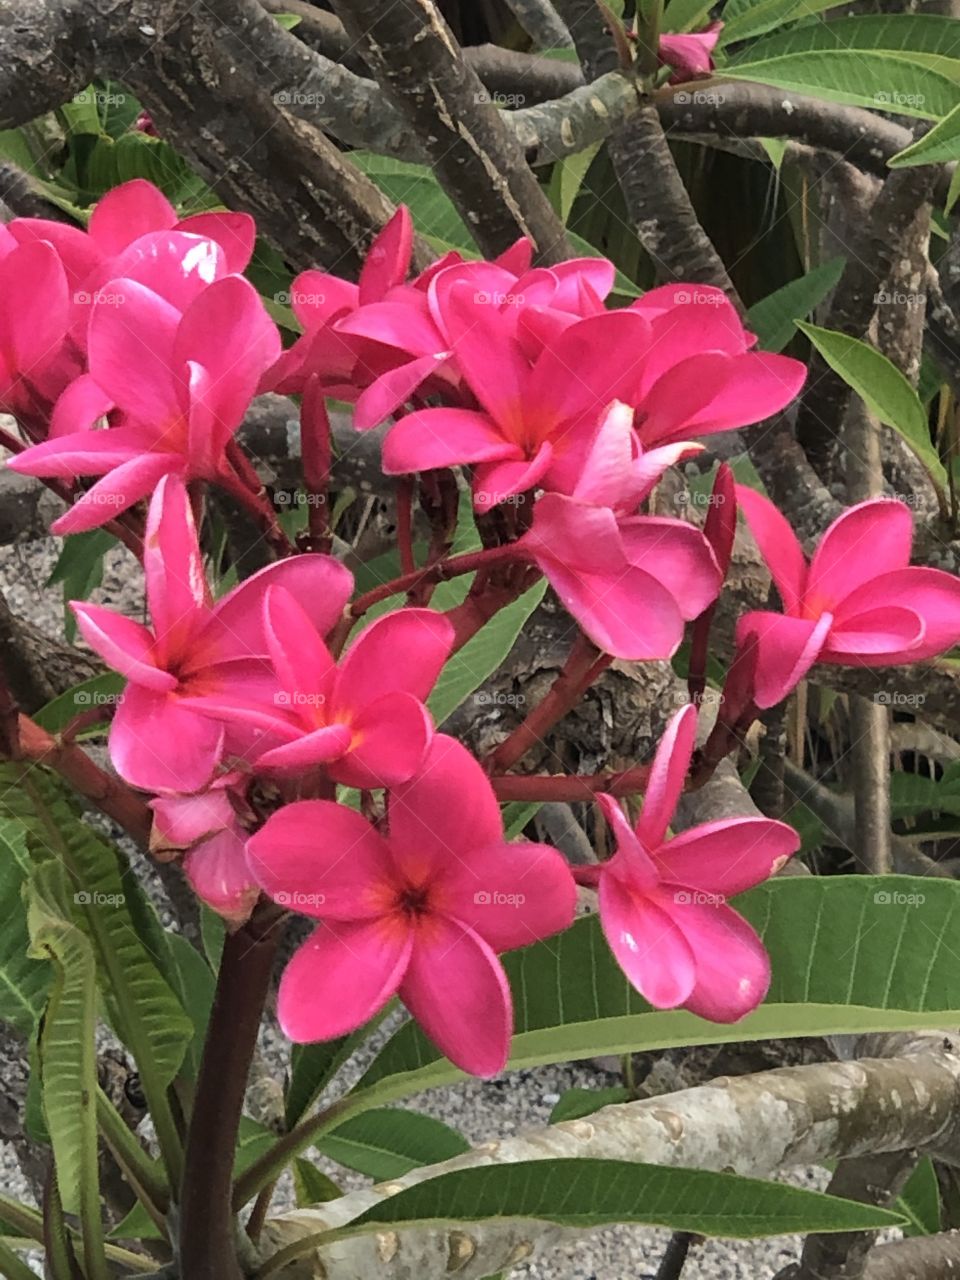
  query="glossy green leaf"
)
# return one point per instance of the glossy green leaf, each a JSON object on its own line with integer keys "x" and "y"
{"x": 883, "y": 389}
{"x": 311, "y": 1185}
{"x": 79, "y": 568}
{"x": 759, "y": 16}
{"x": 386, "y": 1142}
{"x": 103, "y": 690}
{"x": 24, "y": 982}
{"x": 585, "y": 1194}
{"x": 939, "y": 146}
{"x": 774, "y": 318}
{"x": 919, "y": 1201}
{"x": 848, "y": 954}
{"x": 904, "y": 33}
{"x": 577, "y": 1103}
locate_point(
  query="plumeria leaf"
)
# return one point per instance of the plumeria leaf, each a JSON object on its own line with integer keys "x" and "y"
{"x": 919, "y": 1201}
{"x": 883, "y": 389}
{"x": 906, "y": 33}
{"x": 387, "y": 1143}
{"x": 839, "y": 965}
{"x": 773, "y": 319}
{"x": 79, "y": 568}
{"x": 103, "y": 690}
{"x": 577, "y": 1103}
{"x": 940, "y": 145}
{"x": 23, "y": 982}
{"x": 311, "y": 1185}
{"x": 584, "y": 1194}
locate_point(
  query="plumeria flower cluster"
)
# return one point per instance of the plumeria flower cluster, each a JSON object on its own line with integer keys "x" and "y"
{"x": 285, "y": 738}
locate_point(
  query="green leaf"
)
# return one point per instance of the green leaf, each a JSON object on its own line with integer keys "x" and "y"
{"x": 939, "y": 146}
{"x": 764, "y": 15}
{"x": 415, "y": 186}
{"x": 213, "y": 932}
{"x": 516, "y": 815}
{"x": 387, "y": 1143}
{"x": 68, "y": 1054}
{"x": 773, "y": 319}
{"x": 577, "y": 1103}
{"x": 313, "y": 1066}
{"x": 482, "y": 655}
{"x": 567, "y": 179}
{"x": 79, "y": 568}
{"x": 311, "y": 1185}
{"x": 288, "y": 20}
{"x": 194, "y": 984}
{"x": 953, "y": 191}
{"x": 919, "y": 1202}
{"x": 584, "y": 1194}
{"x": 891, "y": 33}
{"x": 883, "y": 389}
{"x": 848, "y": 954}
{"x": 686, "y": 15}
{"x": 102, "y": 690}
{"x": 23, "y": 982}
{"x": 882, "y": 81}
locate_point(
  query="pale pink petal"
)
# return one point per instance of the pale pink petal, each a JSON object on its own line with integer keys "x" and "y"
{"x": 324, "y": 860}
{"x": 496, "y": 482}
{"x": 786, "y": 650}
{"x": 131, "y": 351}
{"x": 388, "y": 260}
{"x": 145, "y": 725}
{"x": 931, "y": 593}
{"x": 871, "y": 538}
{"x": 677, "y": 555}
{"x": 79, "y": 407}
{"x": 456, "y": 989}
{"x": 389, "y": 742}
{"x": 667, "y": 776}
{"x": 119, "y": 490}
{"x": 650, "y": 949}
{"x": 778, "y": 544}
{"x": 217, "y": 871}
{"x": 341, "y": 976}
{"x": 125, "y": 645}
{"x": 728, "y": 856}
{"x": 235, "y": 233}
{"x": 447, "y": 809}
{"x": 432, "y": 438}
{"x": 173, "y": 568}
{"x": 605, "y": 474}
{"x": 180, "y": 821}
{"x": 732, "y": 967}
{"x": 127, "y": 212}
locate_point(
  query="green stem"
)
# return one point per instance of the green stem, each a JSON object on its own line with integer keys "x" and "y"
{"x": 12, "y": 1267}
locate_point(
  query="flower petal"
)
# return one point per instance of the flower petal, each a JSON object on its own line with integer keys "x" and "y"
{"x": 786, "y": 650}
{"x": 511, "y": 894}
{"x": 117, "y": 491}
{"x": 173, "y": 568}
{"x": 235, "y": 233}
{"x": 732, "y": 966}
{"x": 388, "y": 259}
{"x": 647, "y": 945}
{"x": 778, "y": 544}
{"x": 125, "y": 645}
{"x": 667, "y": 776}
{"x": 728, "y": 856}
{"x": 403, "y": 652}
{"x": 145, "y": 725}
{"x": 217, "y": 871}
{"x": 432, "y": 438}
{"x": 871, "y": 538}
{"x": 128, "y": 212}
{"x": 447, "y": 809}
{"x": 132, "y": 331}
{"x": 932, "y": 594}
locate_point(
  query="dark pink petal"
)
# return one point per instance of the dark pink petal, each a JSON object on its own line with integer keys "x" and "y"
{"x": 388, "y": 744}
{"x": 33, "y": 305}
{"x": 321, "y": 584}
{"x": 598, "y": 274}
{"x": 127, "y": 212}
{"x": 172, "y": 264}
{"x": 79, "y": 407}
{"x": 173, "y": 568}
{"x": 629, "y": 856}
{"x": 309, "y": 751}
{"x": 235, "y": 233}
{"x": 691, "y": 329}
{"x": 131, "y": 351}
{"x": 448, "y": 809}
{"x": 125, "y": 645}
{"x": 728, "y": 856}
{"x": 875, "y": 633}
{"x": 402, "y": 652}
{"x": 518, "y": 257}
{"x": 324, "y": 860}
{"x": 490, "y": 359}
{"x": 931, "y": 593}
{"x": 119, "y": 490}
{"x": 732, "y": 967}
{"x": 496, "y": 482}
{"x": 786, "y": 650}
{"x": 677, "y": 555}
{"x": 406, "y": 325}
{"x": 144, "y": 726}
{"x": 625, "y": 613}
{"x": 592, "y": 363}
{"x": 689, "y": 54}
{"x": 82, "y": 453}
{"x": 432, "y": 438}
{"x": 341, "y": 977}
{"x": 217, "y": 871}
{"x": 667, "y": 776}
{"x": 388, "y": 260}
{"x": 871, "y": 538}
{"x": 393, "y": 389}
{"x": 75, "y": 249}
{"x": 650, "y": 949}
{"x": 778, "y": 544}
{"x": 300, "y": 658}
{"x": 510, "y": 894}
{"x": 456, "y": 989}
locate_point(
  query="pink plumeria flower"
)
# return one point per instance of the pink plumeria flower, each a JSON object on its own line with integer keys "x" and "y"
{"x": 158, "y": 741}
{"x": 663, "y": 902}
{"x": 206, "y": 826}
{"x": 690, "y": 54}
{"x": 857, "y": 603}
{"x": 421, "y": 912}
{"x": 631, "y": 581}
{"x": 182, "y": 382}
{"x": 34, "y": 312}
{"x": 362, "y": 720}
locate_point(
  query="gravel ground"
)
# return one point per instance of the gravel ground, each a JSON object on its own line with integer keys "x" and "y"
{"x": 480, "y": 1111}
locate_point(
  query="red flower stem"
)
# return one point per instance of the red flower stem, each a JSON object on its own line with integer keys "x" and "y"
{"x": 405, "y": 524}
{"x": 315, "y": 453}
{"x": 569, "y": 788}
{"x": 584, "y": 664}
{"x": 261, "y": 508}
{"x": 108, "y": 794}
{"x": 699, "y": 650}
{"x": 439, "y": 572}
